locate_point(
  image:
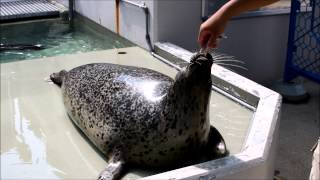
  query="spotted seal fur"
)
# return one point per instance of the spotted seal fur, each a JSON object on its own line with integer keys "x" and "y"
{"x": 140, "y": 116}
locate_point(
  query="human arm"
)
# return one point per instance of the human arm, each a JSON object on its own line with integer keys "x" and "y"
{"x": 214, "y": 27}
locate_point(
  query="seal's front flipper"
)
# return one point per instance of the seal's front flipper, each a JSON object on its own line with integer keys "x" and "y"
{"x": 113, "y": 171}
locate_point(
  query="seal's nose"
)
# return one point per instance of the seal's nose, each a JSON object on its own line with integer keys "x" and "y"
{"x": 201, "y": 62}
{"x": 198, "y": 71}
{"x": 201, "y": 58}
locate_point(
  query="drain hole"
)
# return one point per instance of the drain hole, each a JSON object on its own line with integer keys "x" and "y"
{"x": 122, "y": 52}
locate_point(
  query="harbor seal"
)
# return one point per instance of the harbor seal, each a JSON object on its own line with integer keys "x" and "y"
{"x": 141, "y": 117}
{"x": 7, "y": 47}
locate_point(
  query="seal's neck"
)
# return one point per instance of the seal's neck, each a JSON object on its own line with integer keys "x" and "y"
{"x": 192, "y": 86}
{"x": 195, "y": 79}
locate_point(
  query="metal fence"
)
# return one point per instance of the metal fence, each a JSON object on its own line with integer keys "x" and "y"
{"x": 18, "y": 10}
{"x": 303, "y": 54}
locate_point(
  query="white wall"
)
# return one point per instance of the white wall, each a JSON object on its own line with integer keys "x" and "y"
{"x": 100, "y": 11}
{"x": 133, "y": 22}
{"x": 261, "y": 42}
{"x": 132, "y": 19}
{"x": 178, "y": 21}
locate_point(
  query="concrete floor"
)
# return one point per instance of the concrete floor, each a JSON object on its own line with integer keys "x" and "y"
{"x": 299, "y": 130}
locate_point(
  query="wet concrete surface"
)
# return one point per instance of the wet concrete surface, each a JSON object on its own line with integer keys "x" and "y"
{"x": 299, "y": 131}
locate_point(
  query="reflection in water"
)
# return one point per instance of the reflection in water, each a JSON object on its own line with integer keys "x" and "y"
{"x": 26, "y": 162}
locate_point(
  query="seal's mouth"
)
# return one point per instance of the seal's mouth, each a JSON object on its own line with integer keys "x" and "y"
{"x": 201, "y": 58}
{"x": 199, "y": 69}
{"x": 200, "y": 63}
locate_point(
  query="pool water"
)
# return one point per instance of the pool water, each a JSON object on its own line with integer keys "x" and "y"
{"x": 58, "y": 38}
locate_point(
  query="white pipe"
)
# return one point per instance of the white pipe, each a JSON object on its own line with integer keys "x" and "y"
{"x": 203, "y": 8}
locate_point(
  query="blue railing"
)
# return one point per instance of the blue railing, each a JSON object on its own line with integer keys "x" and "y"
{"x": 303, "y": 54}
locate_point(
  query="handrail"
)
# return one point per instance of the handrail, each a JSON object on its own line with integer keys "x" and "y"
{"x": 71, "y": 11}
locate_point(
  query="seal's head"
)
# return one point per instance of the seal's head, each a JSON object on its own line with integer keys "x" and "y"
{"x": 197, "y": 73}
{"x": 199, "y": 68}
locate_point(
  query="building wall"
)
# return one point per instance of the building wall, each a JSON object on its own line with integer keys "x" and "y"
{"x": 175, "y": 20}
{"x": 261, "y": 42}
{"x": 101, "y": 12}
{"x": 132, "y": 19}
{"x": 133, "y": 23}
{"x": 178, "y": 22}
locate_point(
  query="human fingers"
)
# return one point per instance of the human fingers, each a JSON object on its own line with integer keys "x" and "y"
{"x": 203, "y": 38}
{"x": 212, "y": 42}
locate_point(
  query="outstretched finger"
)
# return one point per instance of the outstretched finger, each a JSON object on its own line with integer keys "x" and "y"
{"x": 203, "y": 38}
{"x": 212, "y": 43}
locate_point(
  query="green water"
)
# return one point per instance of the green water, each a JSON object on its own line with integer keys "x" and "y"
{"x": 58, "y": 38}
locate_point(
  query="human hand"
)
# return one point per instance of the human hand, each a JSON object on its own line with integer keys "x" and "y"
{"x": 213, "y": 28}
{"x": 210, "y": 31}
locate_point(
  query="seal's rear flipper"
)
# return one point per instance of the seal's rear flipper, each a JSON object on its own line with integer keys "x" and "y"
{"x": 113, "y": 171}
{"x": 57, "y": 78}
{"x": 216, "y": 145}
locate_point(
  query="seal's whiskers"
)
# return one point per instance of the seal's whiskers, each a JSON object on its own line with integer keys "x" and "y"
{"x": 221, "y": 56}
{"x": 233, "y": 65}
{"x": 230, "y": 60}
{"x": 225, "y": 60}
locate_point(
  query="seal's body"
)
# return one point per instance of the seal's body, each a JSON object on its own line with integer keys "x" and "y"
{"x": 15, "y": 47}
{"x": 139, "y": 116}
